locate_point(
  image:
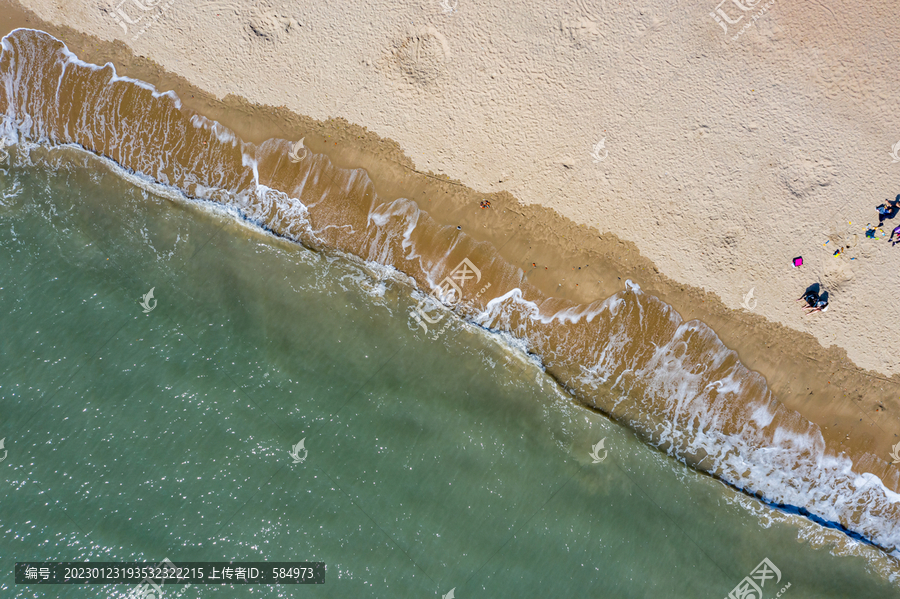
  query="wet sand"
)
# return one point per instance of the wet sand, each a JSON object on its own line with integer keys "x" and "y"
{"x": 858, "y": 410}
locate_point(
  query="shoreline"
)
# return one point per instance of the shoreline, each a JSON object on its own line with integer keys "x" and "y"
{"x": 560, "y": 246}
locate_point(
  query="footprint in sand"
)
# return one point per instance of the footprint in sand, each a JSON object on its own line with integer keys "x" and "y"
{"x": 421, "y": 58}
{"x": 837, "y": 274}
{"x": 803, "y": 174}
{"x": 270, "y": 23}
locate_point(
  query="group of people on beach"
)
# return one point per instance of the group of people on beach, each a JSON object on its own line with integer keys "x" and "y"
{"x": 889, "y": 210}
{"x": 816, "y": 300}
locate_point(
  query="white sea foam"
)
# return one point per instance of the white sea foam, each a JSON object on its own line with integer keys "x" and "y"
{"x": 73, "y": 59}
{"x": 379, "y": 246}
{"x": 221, "y": 133}
{"x": 115, "y": 77}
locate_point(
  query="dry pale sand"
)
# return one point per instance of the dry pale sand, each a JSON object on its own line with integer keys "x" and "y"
{"x": 722, "y": 158}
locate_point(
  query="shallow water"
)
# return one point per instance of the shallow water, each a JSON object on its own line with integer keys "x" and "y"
{"x": 433, "y": 465}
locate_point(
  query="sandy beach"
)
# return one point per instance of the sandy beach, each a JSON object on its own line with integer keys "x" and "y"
{"x": 656, "y": 145}
{"x": 722, "y": 160}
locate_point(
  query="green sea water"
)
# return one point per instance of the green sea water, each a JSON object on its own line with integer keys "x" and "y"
{"x": 432, "y": 464}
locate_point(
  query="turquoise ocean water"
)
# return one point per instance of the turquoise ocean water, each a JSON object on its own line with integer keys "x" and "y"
{"x": 432, "y": 465}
